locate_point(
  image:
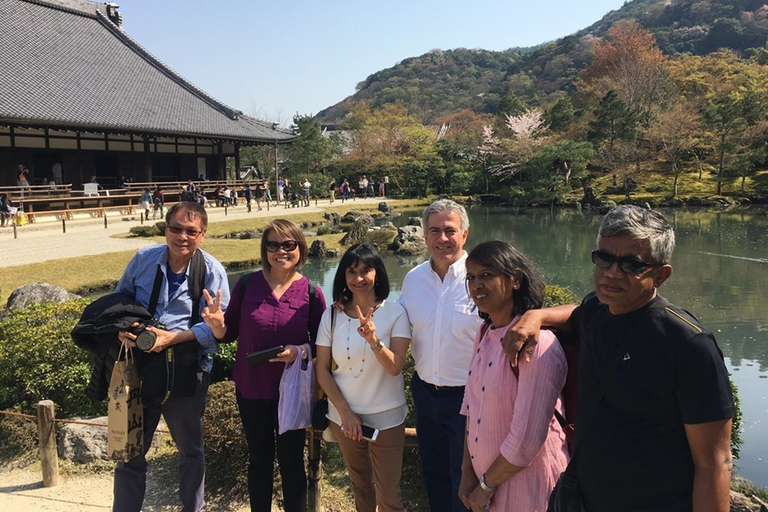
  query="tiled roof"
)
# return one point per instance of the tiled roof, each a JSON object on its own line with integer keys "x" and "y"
{"x": 65, "y": 63}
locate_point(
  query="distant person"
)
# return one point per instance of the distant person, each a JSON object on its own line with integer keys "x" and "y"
{"x": 657, "y": 435}
{"x": 363, "y": 185}
{"x": 306, "y": 187}
{"x": 267, "y": 191}
{"x": 158, "y": 201}
{"x": 7, "y": 210}
{"x": 280, "y": 190}
{"x": 382, "y": 187}
{"x": 248, "y": 193}
{"x": 332, "y": 189}
{"x": 258, "y": 194}
{"x": 21, "y": 178}
{"x": 345, "y": 190}
{"x": 145, "y": 203}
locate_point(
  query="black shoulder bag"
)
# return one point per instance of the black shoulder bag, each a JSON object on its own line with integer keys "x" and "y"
{"x": 566, "y": 496}
{"x": 176, "y": 370}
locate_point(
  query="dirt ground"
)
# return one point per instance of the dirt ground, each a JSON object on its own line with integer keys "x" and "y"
{"x": 21, "y": 490}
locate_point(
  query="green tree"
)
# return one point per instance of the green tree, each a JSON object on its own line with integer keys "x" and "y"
{"x": 560, "y": 116}
{"x": 551, "y": 169}
{"x": 311, "y": 152}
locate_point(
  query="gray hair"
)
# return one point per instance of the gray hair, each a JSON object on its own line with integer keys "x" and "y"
{"x": 444, "y": 206}
{"x": 641, "y": 224}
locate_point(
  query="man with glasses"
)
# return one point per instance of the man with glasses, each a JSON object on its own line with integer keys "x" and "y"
{"x": 168, "y": 266}
{"x": 655, "y": 436}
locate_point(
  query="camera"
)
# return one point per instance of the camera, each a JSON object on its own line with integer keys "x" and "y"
{"x": 145, "y": 339}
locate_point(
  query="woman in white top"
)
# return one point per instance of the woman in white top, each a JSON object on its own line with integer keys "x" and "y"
{"x": 368, "y": 341}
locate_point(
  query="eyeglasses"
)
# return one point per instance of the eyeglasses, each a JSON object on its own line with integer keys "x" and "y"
{"x": 627, "y": 264}
{"x": 191, "y": 233}
{"x": 286, "y": 245}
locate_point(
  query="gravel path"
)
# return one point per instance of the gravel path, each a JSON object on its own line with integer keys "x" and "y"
{"x": 46, "y": 241}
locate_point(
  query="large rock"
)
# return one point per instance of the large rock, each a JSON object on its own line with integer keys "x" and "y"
{"x": 356, "y": 233}
{"x": 414, "y": 221}
{"x": 356, "y": 216}
{"x": 742, "y": 503}
{"x": 409, "y": 241}
{"x": 38, "y": 293}
{"x": 383, "y": 207}
{"x": 83, "y": 443}
{"x": 88, "y": 443}
{"x": 318, "y": 249}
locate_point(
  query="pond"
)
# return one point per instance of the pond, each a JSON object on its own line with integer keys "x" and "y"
{"x": 720, "y": 275}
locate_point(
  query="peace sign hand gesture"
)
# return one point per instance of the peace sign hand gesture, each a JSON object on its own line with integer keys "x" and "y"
{"x": 212, "y": 314}
{"x": 367, "y": 328}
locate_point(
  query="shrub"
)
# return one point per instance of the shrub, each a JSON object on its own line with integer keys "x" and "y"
{"x": 145, "y": 231}
{"x": 224, "y": 362}
{"x": 39, "y": 361}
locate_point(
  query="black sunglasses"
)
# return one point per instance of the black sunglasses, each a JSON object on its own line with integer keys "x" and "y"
{"x": 286, "y": 245}
{"x": 176, "y": 230}
{"x": 627, "y": 264}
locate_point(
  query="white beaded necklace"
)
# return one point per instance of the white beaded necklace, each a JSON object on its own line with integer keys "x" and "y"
{"x": 349, "y": 358}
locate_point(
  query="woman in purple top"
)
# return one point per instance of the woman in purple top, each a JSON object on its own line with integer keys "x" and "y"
{"x": 274, "y": 310}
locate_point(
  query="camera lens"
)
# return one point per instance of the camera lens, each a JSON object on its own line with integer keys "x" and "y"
{"x": 145, "y": 340}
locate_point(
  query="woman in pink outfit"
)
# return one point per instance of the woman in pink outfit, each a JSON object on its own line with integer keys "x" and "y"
{"x": 515, "y": 449}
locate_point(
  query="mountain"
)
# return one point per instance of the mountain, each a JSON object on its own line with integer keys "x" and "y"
{"x": 442, "y": 82}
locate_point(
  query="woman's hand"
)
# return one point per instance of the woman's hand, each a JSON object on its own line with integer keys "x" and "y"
{"x": 351, "y": 426}
{"x": 289, "y": 355}
{"x": 212, "y": 314}
{"x": 367, "y": 328}
{"x": 479, "y": 500}
{"x": 468, "y": 484}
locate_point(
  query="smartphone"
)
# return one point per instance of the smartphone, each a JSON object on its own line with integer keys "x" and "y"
{"x": 262, "y": 356}
{"x": 369, "y": 433}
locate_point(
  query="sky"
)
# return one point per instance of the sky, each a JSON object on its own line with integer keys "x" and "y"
{"x": 274, "y": 59}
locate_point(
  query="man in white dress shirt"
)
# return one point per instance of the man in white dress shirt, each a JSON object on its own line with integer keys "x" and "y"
{"x": 444, "y": 321}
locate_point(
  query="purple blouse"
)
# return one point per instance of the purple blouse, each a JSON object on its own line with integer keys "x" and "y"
{"x": 262, "y": 321}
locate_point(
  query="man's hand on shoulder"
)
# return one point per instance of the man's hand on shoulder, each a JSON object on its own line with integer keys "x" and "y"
{"x": 521, "y": 339}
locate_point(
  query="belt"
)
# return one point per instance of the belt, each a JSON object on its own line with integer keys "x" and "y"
{"x": 439, "y": 388}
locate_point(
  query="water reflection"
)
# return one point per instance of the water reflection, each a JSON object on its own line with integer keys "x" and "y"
{"x": 720, "y": 275}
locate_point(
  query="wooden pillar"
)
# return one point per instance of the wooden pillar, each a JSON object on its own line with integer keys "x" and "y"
{"x": 237, "y": 160}
{"x": 221, "y": 162}
{"x": 314, "y": 472}
{"x": 46, "y": 432}
{"x": 147, "y": 159}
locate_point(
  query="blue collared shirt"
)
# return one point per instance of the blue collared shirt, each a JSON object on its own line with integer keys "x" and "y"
{"x": 175, "y": 311}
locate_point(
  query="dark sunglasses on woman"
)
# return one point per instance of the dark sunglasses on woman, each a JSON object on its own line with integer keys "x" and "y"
{"x": 627, "y": 264}
{"x": 286, "y": 245}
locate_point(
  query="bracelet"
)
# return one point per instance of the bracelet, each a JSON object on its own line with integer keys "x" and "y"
{"x": 486, "y": 488}
{"x": 378, "y": 347}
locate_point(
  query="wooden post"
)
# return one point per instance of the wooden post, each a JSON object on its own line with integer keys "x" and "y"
{"x": 105, "y": 220}
{"x": 49, "y": 458}
{"x": 314, "y": 473}
{"x": 63, "y": 225}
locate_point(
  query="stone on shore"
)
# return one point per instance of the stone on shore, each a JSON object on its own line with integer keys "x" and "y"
{"x": 38, "y": 293}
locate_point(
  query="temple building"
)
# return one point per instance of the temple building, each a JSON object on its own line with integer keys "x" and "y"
{"x": 80, "y": 98}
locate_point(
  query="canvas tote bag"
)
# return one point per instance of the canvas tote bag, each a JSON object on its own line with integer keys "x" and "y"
{"x": 125, "y": 430}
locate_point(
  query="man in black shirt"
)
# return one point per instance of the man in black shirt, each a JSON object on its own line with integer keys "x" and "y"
{"x": 659, "y": 437}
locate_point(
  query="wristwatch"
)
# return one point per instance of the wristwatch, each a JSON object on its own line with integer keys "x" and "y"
{"x": 486, "y": 488}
